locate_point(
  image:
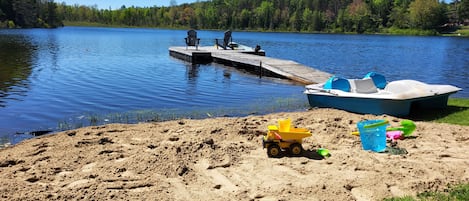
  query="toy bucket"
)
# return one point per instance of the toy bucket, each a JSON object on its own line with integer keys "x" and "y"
{"x": 284, "y": 125}
{"x": 373, "y": 134}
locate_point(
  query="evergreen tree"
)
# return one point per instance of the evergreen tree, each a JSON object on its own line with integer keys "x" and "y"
{"x": 426, "y": 14}
{"x": 463, "y": 11}
{"x": 358, "y": 16}
{"x": 29, "y": 13}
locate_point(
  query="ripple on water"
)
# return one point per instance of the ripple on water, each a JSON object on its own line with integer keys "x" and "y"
{"x": 73, "y": 72}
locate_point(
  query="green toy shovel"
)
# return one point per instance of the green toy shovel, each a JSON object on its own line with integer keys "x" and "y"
{"x": 407, "y": 127}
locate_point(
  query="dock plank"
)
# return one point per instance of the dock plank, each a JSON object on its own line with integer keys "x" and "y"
{"x": 285, "y": 68}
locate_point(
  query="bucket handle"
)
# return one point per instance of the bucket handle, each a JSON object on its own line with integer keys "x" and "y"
{"x": 376, "y": 124}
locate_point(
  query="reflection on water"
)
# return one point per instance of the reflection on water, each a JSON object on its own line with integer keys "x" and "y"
{"x": 192, "y": 71}
{"x": 16, "y": 54}
{"x": 78, "y": 76}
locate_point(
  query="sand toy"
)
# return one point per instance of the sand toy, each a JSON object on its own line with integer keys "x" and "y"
{"x": 284, "y": 137}
{"x": 394, "y": 135}
{"x": 407, "y": 127}
{"x": 323, "y": 152}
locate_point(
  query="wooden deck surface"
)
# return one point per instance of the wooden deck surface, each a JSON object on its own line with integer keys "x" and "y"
{"x": 285, "y": 68}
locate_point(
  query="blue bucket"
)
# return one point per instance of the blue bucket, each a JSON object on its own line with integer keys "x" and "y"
{"x": 373, "y": 134}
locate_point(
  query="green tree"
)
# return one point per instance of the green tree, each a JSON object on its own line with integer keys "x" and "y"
{"x": 211, "y": 17}
{"x": 264, "y": 14}
{"x": 317, "y": 21}
{"x": 381, "y": 9}
{"x": 188, "y": 17}
{"x": 463, "y": 10}
{"x": 285, "y": 15}
{"x": 399, "y": 18}
{"x": 25, "y": 13}
{"x": 341, "y": 24}
{"x": 307, "y": 19}
{"x": 295, "y": 21}
{"x": 172, "y": 15}
{"x": 245, "y": 17}
{"x": 360, "y": 15}
{"x": 51, "y": 16}
{"x": 426, "y": 14}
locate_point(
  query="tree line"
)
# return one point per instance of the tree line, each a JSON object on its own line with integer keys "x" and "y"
{"x": 29, "y": 14}
{"x": 359, "y": 16}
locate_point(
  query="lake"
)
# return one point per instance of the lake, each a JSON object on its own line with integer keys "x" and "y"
{"x": 57, "y": 79}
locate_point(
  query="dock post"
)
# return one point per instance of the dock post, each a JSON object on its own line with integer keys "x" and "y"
{"x": 260, "y": 69}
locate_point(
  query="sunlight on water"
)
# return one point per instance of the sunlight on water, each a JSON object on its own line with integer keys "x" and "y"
{"x": 77, "y": 76}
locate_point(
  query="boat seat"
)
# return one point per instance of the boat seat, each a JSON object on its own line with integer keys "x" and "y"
{"x": 337, "y": 83}
{"x": 378, "y": 79}
{"x": 363, "y": 86}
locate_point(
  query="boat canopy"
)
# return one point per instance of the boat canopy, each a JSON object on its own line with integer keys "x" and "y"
{"x": 378, "y": 79}
{"x": 369, "y": 84}
{"x": 337, "y": 83}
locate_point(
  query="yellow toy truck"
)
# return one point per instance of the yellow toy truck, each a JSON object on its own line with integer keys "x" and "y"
{"x": 284, "y": 137}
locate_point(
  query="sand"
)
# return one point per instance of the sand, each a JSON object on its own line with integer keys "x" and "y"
{"x": 223, "y": 159}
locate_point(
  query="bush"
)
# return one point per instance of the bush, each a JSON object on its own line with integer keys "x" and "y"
{"x": 11, "y": 24}
{"x": 414, "y": 32}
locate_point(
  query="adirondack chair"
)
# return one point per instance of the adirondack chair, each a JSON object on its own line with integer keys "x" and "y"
{"x": 226, "y": 41}
{"x": 192, "y": 40}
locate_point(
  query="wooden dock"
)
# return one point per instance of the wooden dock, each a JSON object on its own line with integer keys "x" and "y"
{"x": 252, "y": 61}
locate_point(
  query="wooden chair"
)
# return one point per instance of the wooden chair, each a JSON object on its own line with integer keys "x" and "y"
{"x": 192, "y": 40}
{"x": 226, "y": 41}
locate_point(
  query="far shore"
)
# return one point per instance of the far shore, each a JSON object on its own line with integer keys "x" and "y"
{"x": 404, "y": 32}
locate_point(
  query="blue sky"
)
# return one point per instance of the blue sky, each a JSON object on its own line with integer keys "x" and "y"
{"x": 115, "y": 4}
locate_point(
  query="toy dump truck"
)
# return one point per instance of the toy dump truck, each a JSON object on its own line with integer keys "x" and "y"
{"x": 284, "y": 137}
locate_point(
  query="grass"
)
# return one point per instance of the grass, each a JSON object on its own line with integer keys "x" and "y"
{"x": 455, "y": 193}
{"x": 413, "y": 32}
{"x": 461, "y": 31}
{"x": 457, "y": 112}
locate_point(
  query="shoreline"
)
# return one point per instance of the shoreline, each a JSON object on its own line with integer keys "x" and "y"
{"x": 385, "y": 32}
{"x": 222, "y": 158}
{"x": 152, "y": 117}
{"x": 160, "y": 116}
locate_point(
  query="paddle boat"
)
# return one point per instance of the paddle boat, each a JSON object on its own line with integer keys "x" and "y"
{"x": 374, "y": 95}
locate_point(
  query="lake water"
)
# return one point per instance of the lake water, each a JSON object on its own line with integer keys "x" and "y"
{"x": 55, "y": 79}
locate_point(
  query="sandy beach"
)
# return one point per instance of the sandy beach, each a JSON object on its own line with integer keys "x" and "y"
{"x": 223, "y": 159}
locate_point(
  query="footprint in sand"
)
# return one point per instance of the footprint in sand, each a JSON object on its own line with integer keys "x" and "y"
{"x": 216, "y": 176}
{"x": 88, "y": 167}
{"x": 78, "y": 183}
{"x": 362, "y": 194}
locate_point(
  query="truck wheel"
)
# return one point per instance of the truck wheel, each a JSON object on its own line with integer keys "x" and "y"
{"x": 273, "y": 151}
{"x": 296, "y": 149}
